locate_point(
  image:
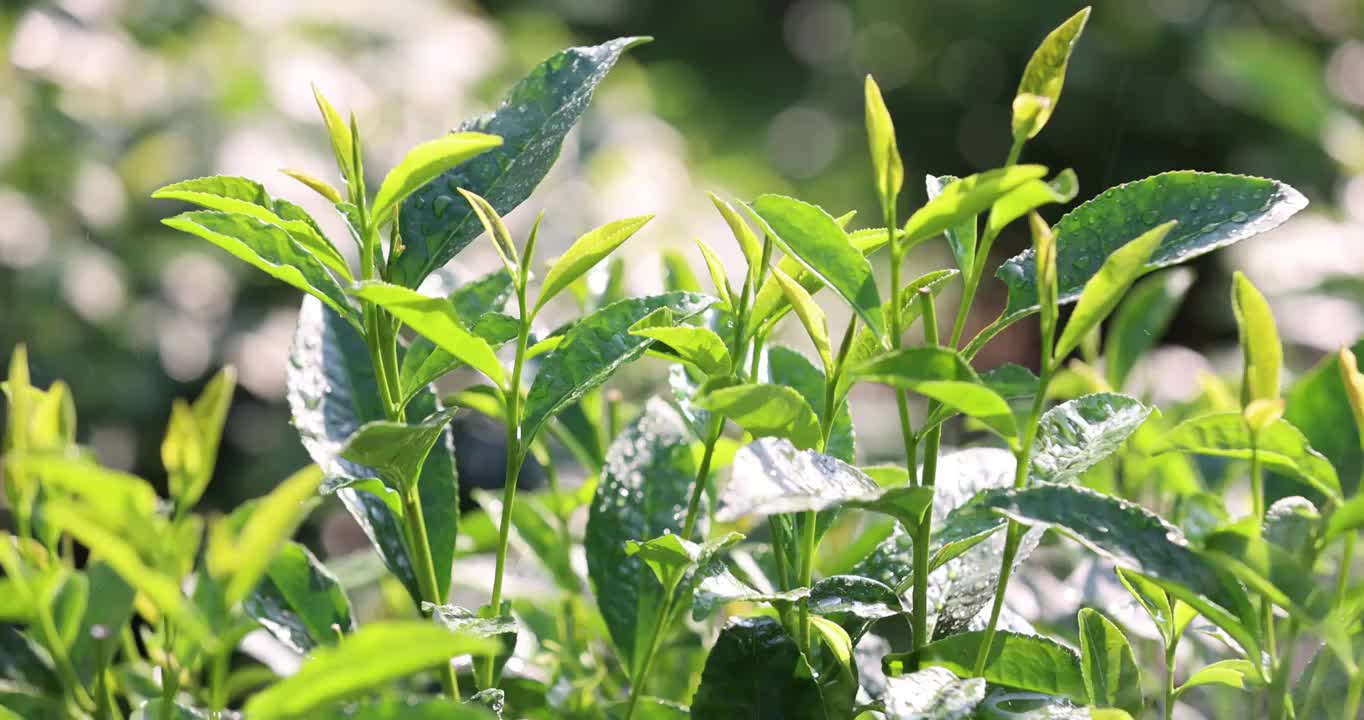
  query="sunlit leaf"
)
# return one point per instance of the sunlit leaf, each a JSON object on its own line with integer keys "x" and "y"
{"x": 1103, "y": 291}
{"x": 1045, "y": 75}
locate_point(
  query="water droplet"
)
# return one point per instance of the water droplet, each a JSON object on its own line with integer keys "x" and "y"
{"x": 1239, "y": 217}
{"x": 1150, "y": 216}
{"x": 1195, "y": 204}
{"x": 1209, "y": 227}
{"x": 441, "y": 205}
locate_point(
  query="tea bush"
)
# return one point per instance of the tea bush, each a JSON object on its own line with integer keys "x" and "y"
{"x": 860, "y": 592}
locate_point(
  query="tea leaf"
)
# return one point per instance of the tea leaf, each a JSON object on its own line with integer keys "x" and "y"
{"x": 1028, "y": 197}
{"x": 299, "y": 601}
{"x": 755, "y": 671}
{"x": 1141, "y": 321}
{"x": 942, "y": 375}
{"x": 1045, "y": 75}
{"x": 649, "y": 473}
{"x": 1269, "y": 570}
{"x": 1110, "y": 669}
{"x": 1233, "y": 673}
{"x": 718, "y": 277}
{"x": 771, "y": 476}
{"x": 853, "y": 602}
{"x": 1260, "y": 346}
{"x": 1347, "y": 517}
{"x": 96, "y": 638}
{"x": 477, "y": 305}
{"x": 159, "y": 709}
{"x": 339, "y": 134}
{"x": 321, "y": 187}
{"x": 767, "y": 411}
{"x": 594, "y": 349}
{"x": 1103, "y": 291}
{"x": 424, "y": 163}
{"x": 866, "y": 344}
{"x": 811, "y": 317}
{"x": 964, "y": 199}
{"x": 270, "y": 524}
{"x": 497, "y": 232}
{"x": 394, "y": 451}
{"x": 410, "y": 709}
{"x": 585, "y": 252}
{"x": 887, "y": 167}
{"x": 375, "y": 655}
{"x": 437, "y": 321}
{"x": 809, "y": 234}
{"x": 934, "y": 693}
{"x": 1213, "y": 211}
{"x": 962, "y": 237}
{"x": 247, "y": 197}
{"x": 748, "y": 241}
{"x": 270, "y": 249}
{"x": 1076, "y": 435}
{"x": 532, "y": 121}
{"x": 1280, "y": 446}
{"x": 698, "y": 346}
{"x": 1026, "y": 662}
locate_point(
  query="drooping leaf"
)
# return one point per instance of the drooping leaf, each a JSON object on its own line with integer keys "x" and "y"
{"x": 1103, "y": 291}
{"x": 767, "y": 411}
{"x": 1045, "y": 75}
{"x": 771, "y": 476}
{"x": 1141, "y": 320}
{"x": 1261, "y": 350}
{"x": 595, "y": 348}
{"x": 811, "y": 317}
{"x": 647, "y": 478}
{"x": 436, "y": 320}
{"x": 964, "y": 199}
{"x": 300, "y": 602}
{"x": 585, "y": 252}
{"x": 478, "y": 305}
{"x": 395, "y": 451}
{"x": 1026, "y": 662}
{"x": 943, "y": 375}
{"x": 1110, "y": 669}
{"x": 1076, "y": 435}
{"x": 435, "y": 223}
{"x": 373, "y": 656}
{"x": 270, "y": 249}
{"x": 1213, "y": 211}
{"x": 1280, "y": 447}
{"x": 755, "y": 672}
{"x": 810, "y": 235}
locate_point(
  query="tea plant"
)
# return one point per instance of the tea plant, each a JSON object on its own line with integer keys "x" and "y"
{"x": 876, "y": 591}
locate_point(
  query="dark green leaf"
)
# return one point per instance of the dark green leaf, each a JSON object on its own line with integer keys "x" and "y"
{"x": 1110, "y": 669}
{"x": 1293, "y": 524}
{"x": 1213, "y": 211}
{"x": 853, "y": 602}
{"x": 1317, "y": 404}
{"x": 718, "y": 586}
{"x": 1269, "y": 570}
{"x": 1280, "y": 446}
{"x": 756, "y": 672}
{"x": 157, "y": 709}
{"x": 1025, "y": 662}
{"x": 300, "y": 602}
{"x": 436, "y": 223}
{"x": 593, "y": 349}
{"x": 647, "y": 478}
{"x": 809, "y": 234}
{"x": 790, "y": 368}
{"x": 1076, "y": 435}
{"x": 1141, "y": 321}
{"x": 100, "y": 626}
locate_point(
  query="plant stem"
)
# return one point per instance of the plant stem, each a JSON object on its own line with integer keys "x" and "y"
{"x": 1170, "y": 677}
{"x": 1352, "y": 696}
{"x": 924, "y": 532}
{"x": 1280, "y": 693}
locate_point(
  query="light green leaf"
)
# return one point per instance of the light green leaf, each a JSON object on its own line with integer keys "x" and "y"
{"x": 424, "y": 163}
{"x": 1026, "y": 662}
{"x": 1347, "y": 517}
{"x": 784, "y": 366}
{"x": 585, "y": 252}
{"x": 1235, "y": 673}
{"x": 1076, "y": 435}
{"x": 321, "y": 187}
{"x": 1141, "y": 321}
{"x": 767, "y": 411}
{"x": 1028, "y": 197}
{"x": 696, "y": 345}
{"x": 375, "y": 655}
{"x": 269, "y": 526}
{"x": 718, "y": 276}
{"x": 1110, "y": 669}
{"x": 1213, "y": 211}
{"x": 771, "y": 476}
{"x": 962, "y": 237}
{"x": 532, "y": 121}
{"x": 1045, "y": 75}
{"x": 339, "y": 134}
{"x": 269, "y": 248}
{"x": 748, "y": 241}
{"x": 811, "y": 317}
{"x": 888, "y": 168}
{"x": 664, "y": 554}
{"x": 594, "y": 349}
{"x": 942, "y": 375}
{"x": 1280, "y": 446}
{"x": 964, "y": 199}
{"x": 436, "y": 320}
{"x": 866, "y": 344}
{"x": 1260, "y": 346}
{"x": 497, "y": 231}
{"x": 809, "y": 234}
{"x": 1103, "y": 291}
{"x": 1273, "y": 572}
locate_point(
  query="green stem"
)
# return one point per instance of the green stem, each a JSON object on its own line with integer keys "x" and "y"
{"x": 1170, "y": 678}
{"x": 924, "y": 532}
{"x": 170, "y": 676}
{"x": 217, "y": 682}
{"x": 1347, "y": 559}
{"x": 425, "y": 570}
{"x": 1280, "y": 695}
{"x": 1352, "y": 696}
{"x": 807, "y": 567}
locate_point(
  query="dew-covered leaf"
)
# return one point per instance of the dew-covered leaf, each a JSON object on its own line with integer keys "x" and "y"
{"x": 756, "y": 672}
{"x": 934, "y": 693}
{"x": 395, "y": 451}
{"x": 770, "y": 476}
{"x": 1025, "y": 662}
{"x": 595, "y": 348}
{"x": 1076, "y": 435}
{"x": 436, "y": 223}
{"x": 1213, "y": 211}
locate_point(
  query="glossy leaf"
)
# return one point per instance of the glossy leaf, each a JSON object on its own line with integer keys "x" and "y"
{"x": 697, "y": 346}
{"x": 1045, "y": 75}
{"x": 424, "y": 163}
{"x": 748, "y": 241}
{"x": 1110, "y": 669}
{"x": 435, "y": 223}
{"x": 964, "y": 199}
{"x": 1026, "y": 662}
{"x": 942, "y": 375}
{"x": 395, "y": 451}
{"x": 270, "y": 249}
{"x": 586, "y": 252}
{"x": 811, "y": 317}
{"x": 478, "y": 305}
{"x": 436, "y": 320}
{"x": 810, "y": 235}
{"x": 718, "y": 587}
{"x": 1261, "y": 350}
{"x": 771, "y": 476}
{"x": 1141, "y": 320}
{"x": 363, "y": 660}
{"x": 934, "y": 693}
{"x": 1103, "y": 291}
{"x": 1280, "y": 447}
{"x": 1234, "y": 673}
{"x": 300, "y": 601}
{"x": 1076, "y": 435}
{"x": 767, "y": 411}
{"x": 648, "y": 476}
{"x": 756, "y": 672}
{"x": 1213, "y": 211}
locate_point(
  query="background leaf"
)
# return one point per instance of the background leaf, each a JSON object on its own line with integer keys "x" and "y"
{"x": 754, "y": 673}
{"x": 770, "y": 476}
{"x": 1110, "y": 669}
{"x": 1141, "y": 320}
{"x": 1026, "y": 662}
{"x": 299, "y": 601}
